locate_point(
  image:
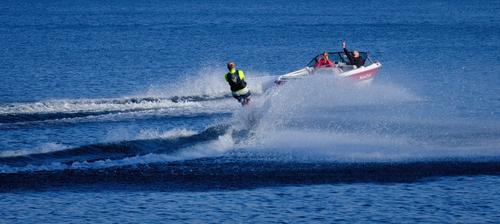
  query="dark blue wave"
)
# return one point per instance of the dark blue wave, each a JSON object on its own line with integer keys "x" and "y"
{"x": 143, "y": 117}
{"x": 114, "y": 151}
{"x": 226, "y": 174}
{"x": 30, "y": 117}
{"x": 46, "y": 116}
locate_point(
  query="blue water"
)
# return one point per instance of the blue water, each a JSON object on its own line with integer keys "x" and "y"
{"x": 117, "y": 111}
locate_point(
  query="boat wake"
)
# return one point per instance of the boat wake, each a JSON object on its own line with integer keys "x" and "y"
{"x": 96, "y": 154}
{"x": 316, "y": 131}
{"x": 65, "y": 109}
{"x": 211, "y": 173}
{"x": 340, "y": 121}
{"x": 172, "y": 99}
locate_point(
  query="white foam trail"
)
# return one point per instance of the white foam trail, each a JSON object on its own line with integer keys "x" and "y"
{"x": 115, "y": 136}
{"x": 222, "y": 144}
{"x": 89, "y": 105}
{"x": 329, "y": 118}
{"x": 170, "y": 134}
{"x": 44, "y": 148}
{"x": 322, "y": 96}
{"x": 207, "y": 83}
{"x": 124, "y": 134}
{"x": 209, "y": 149}
{"x": 356, "y": 147}
{"x": 184, "y": 109}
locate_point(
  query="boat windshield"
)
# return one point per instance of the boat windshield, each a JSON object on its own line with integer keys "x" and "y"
{"x": 340, "y": 56}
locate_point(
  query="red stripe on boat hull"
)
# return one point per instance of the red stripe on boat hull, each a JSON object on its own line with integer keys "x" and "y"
{"x": 364, "y": 75}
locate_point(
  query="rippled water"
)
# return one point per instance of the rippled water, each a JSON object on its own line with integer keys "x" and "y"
{"x": 118, "y": 112}
{"x": 458, "y": 199}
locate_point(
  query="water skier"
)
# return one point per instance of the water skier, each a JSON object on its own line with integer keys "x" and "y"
{"x": 236, "y": 80}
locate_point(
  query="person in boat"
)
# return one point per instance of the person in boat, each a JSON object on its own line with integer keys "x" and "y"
{"x": 236, "y": 80}
{"x": 324, "y": 61}
{"x": 354, "y": 58}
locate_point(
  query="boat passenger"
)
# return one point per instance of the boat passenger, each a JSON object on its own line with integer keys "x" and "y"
{"x": 354, "y": 58}
{"x": 324, "y": 61}
{"x": 236, "y": 80}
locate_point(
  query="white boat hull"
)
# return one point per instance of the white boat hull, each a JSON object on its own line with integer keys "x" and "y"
{"x": 363, "y": 74}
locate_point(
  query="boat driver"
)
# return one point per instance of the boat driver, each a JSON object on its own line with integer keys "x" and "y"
{"x": 236, "y": 80}
{"x": 354, "y": 58}
{"x": 324, "y": 61}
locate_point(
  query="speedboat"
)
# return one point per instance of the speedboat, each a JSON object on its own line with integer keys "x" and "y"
{"x": 341, "y": 69}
